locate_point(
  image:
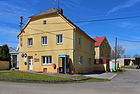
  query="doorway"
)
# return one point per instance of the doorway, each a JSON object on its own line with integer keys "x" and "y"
{"x": 30, "y": 63}
{"x": 64, "y": 66}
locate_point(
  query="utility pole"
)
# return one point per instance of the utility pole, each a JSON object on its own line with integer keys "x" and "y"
{"x": 21, "y": 22}
{"x": 115, "y": 52}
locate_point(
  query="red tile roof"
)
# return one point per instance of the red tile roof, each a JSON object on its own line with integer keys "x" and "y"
{"x": 98, "y": 40}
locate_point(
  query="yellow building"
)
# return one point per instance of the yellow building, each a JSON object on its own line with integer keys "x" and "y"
{"x": 102, "y": 50}
{"x": 49, "y": 42}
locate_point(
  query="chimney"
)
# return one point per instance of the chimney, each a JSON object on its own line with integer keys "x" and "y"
{"x": 60, "y": 11}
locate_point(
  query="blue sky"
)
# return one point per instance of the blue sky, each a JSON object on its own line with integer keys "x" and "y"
{"x": 77, "y": 10}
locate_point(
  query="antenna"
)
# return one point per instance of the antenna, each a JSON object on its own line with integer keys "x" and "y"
{"x": 21, "y": 22}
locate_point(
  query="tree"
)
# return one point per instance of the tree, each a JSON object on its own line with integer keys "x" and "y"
{"x": 4, "y": 53}
{"x": 120, "y": 52}
{"x": 136, "y": 56}
{"x": 127, "y": 56}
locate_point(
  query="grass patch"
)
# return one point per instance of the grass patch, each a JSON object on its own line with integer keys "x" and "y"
{"x": 129, "y": 67}
{"x": 34, "y": 76}
{"x": 5, "y": 71}
{"x": 31, "y": 76}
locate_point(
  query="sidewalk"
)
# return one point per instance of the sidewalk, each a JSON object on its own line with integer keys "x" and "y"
{"x": 102, "y": 75}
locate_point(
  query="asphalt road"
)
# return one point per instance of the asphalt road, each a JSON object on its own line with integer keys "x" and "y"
{"x": 126, "y": 83}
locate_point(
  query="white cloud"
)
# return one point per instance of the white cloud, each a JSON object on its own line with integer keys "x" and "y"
{"x": 127, "y": 4}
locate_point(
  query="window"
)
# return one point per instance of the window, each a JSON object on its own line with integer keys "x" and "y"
{"x": 94, "y": 52}
{"x": 108, "y": 54}
{"x": 30, "y": 42}
{"x": 104, "y": 44}
{"x": 79, "y": 41}
{"x": 89, "y": 61}
{"x": 80, "y": 59}
{"x": 102, "y": 52}
{"x": 59, "y": 39}
{"x": 44, "y": 40}
{"x": 44, "y": 22}
{"x": 46, "y": 60}
{"x": 91, "y": 46}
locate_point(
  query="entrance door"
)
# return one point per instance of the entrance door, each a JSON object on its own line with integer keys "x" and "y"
{"x": 63, "y": 65}
{"x": 30, "y": 63}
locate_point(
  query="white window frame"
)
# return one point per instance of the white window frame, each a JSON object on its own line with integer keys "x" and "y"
{"x": 80, "y": 59}
{"x": 30, "y": 42}
{"x": 43, "y": 40}
{"x": 58, "y": 39}
{"x": 46, "y": 61}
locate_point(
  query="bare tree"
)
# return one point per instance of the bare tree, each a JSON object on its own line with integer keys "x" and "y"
{"x": 120, "y": 52}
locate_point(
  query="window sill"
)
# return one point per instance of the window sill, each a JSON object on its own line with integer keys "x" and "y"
{"x": 59, "y": 43}
{"x": 44, "y": 44}
{"x": 29, "y": 46}
{"x": 47, "y": 64}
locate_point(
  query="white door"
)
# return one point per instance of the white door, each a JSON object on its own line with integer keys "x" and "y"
{"x": 30, "y": 63}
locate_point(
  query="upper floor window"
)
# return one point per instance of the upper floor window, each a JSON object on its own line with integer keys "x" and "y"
{"x": 102, "y": 53}
{"x": 104, "y": 44}
{"x": 46, "y": 60}
{"x": 44, "y": 22}
{"x": 80, "y": 59}
{"x": 79, "y": 41}
{"x": 108, "y": 54}
{"x": 30, "y": 42}
{"x": 91, "y": 46}
{"x": 44, "y": 40}
{"x": 94, "y": 52}
{"x": 59, "y": 39}
{"x": 89, "y": 61}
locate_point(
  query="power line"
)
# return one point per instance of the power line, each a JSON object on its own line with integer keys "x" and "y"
{"x": 129, "y": 40}
{"x": 98, "y": 20}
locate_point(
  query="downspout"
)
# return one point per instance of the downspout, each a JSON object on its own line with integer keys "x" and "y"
{"x": 75, "y": 50}
{"x": 99, "y": 54}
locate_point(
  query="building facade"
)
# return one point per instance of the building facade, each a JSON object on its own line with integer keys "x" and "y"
{"x": 102, "y": 50}
{"x": 49, "y": 42}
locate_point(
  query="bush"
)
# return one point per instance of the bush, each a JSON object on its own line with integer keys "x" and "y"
{"x": 4, "y": 53}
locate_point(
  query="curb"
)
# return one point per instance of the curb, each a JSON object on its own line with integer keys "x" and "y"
{"x": 48, "y": 81}
{"x": 113, "y": 76}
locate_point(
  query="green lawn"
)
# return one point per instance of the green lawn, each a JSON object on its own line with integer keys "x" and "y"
{"x": 31, "y": 76}
{"x": 34, "y": 76}
{"x": 5, "y": 71}
{"x": 129, "y": 67}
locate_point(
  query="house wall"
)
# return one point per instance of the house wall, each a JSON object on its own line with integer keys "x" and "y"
{"x": 86, "y": 50}
{"x": 106, "y": 49}
{"x": 35, "y": 30}
{"x": 4, "y": 65}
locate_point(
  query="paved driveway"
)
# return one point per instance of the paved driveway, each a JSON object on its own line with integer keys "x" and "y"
{"x": 126, "y": 83}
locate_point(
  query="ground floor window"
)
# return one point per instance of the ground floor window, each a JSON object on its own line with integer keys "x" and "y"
{"x": 46, "y": 60}
{"x": 80, "y": 59}
{"x": 89, "y": 61}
